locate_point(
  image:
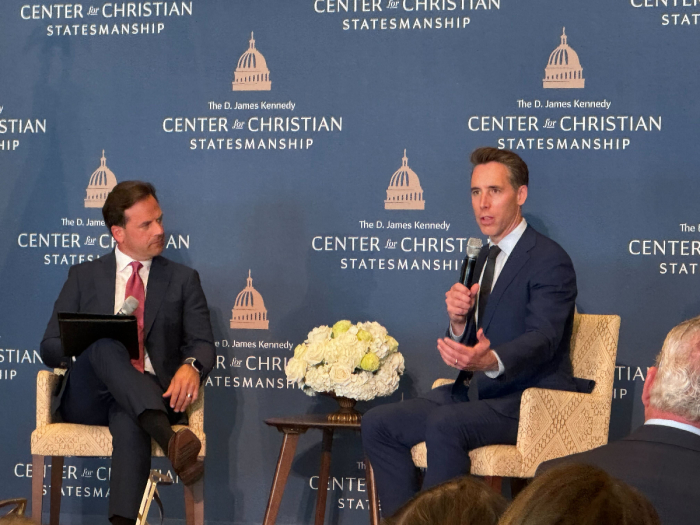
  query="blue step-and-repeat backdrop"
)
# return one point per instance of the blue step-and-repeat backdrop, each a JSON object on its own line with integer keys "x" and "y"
{"x": 272, "y": 130}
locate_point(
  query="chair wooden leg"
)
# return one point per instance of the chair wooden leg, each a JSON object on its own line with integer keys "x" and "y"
{"x": 37, "y": 487}
{"x": 56, "y": 482}
{"x": 372, "y": 491}
{"x": 494, "y": 482}
{"x": 194, "y": 503}
{"x": 517, "y": 485}
{"x": 284, "y": 465}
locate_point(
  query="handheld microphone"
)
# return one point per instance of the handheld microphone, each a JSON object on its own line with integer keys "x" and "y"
{"x": 130, "y": 304}
{"x": 466, "y": 276}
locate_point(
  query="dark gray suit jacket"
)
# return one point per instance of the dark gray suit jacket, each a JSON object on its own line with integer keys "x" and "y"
{"x": 663, "y": 463}
{"x": 528, "y": 319}
{"x": 176, "y": 316}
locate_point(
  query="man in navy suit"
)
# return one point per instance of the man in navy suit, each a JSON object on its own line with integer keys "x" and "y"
{"x": 138, "y": 399}
{"x": 661, "y": 458}
{"x": 509, "y": 332}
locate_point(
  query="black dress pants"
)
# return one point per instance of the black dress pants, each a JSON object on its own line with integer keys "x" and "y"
{"x": 103, "y": 388}
{"x": 450, "y": 426}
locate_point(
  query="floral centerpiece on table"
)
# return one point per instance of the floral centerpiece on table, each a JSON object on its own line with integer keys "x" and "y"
{"x": 358, "y": 361}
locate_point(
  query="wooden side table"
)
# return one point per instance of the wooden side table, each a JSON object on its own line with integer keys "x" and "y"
{"x": 292, "y": 428}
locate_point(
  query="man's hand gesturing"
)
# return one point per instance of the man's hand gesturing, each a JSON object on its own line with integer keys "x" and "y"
{"x": 460, "y": 300}
{"x": 479, "y": 357}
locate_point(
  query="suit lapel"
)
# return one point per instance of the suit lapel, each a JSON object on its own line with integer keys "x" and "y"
{"x": 516, "y": 260}
{"x": 105, "y": 282}
{"x": 158, "y": 280}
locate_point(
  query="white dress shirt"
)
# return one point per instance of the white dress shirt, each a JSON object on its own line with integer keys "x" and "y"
{"x": 124, "y": 271}
{"x": 507, "y": 244}
{"x": 674, "y": 424}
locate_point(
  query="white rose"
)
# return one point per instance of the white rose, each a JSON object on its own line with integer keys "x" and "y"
{"x": 340, "y": 374}
{"x": 295, "y": 369}
{"x": 345, "y": 339}
{"x": 314, "y": 353}
{"x": 319, "y": 334}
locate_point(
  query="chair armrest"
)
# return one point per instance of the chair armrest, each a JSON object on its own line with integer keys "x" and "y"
{"x": 46, "y": 383}
{"x": 442, "y": 382}
{"x": 554, "y": 423}
{"x": 195, "y": 413}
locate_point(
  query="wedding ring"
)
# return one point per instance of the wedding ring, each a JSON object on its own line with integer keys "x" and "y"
{"x": 455, "y": 362}
{"x": 189, "y": 395}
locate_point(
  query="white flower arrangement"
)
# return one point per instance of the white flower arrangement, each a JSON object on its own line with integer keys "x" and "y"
{"x": 358, "y": 361}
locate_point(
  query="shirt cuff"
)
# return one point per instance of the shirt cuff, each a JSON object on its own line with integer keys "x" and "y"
{"x": 459, "y": 336}
{"x": 494, "y": 374}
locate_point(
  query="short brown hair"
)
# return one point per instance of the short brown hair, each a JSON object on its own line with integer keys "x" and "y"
{"x": 517, "y": 169}
{"x": 122, "y": 197}
{"x": 573, "y": 494}
{"x": 460, "y": 501}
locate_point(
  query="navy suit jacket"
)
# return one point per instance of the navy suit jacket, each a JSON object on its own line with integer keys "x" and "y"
{"x": 661, "y": 462}
{"x": 176, "y": 316}
{"x": 528, "y": 319}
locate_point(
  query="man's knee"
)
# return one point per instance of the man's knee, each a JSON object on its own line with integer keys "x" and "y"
{"x": 372, "y": 423}
{"x": 105, "y": 350}
{"x": 379, "y": 423}
{"x": 440, "y": 427}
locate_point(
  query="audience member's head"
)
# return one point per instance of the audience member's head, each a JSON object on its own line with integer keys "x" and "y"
{"x": 672, "y": 387}
{"x": 576, "y": 494}
{"x": 461, "y": 501}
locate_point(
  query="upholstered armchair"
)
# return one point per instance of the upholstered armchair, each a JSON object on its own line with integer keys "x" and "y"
{"x": 57, "y": 440}
{"x": 554, "y": 423}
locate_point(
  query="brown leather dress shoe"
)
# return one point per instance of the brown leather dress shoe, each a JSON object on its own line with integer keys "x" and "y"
{"x": 183, "y": 448}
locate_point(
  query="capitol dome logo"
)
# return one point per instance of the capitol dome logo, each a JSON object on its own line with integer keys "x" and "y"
{"x": 102, "y": 181}
{"x": 249, "y": 311}
{"x": 252, "y": 73}
{"x": 563, "y": 69}
{"x": 404, "y": 191}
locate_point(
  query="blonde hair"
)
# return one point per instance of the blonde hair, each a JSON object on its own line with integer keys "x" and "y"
{"x": 676, "y": 388}
{"x": 576, "y": 494}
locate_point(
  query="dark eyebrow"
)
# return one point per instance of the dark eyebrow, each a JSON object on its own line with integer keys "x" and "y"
{"x": 494, "y": 187}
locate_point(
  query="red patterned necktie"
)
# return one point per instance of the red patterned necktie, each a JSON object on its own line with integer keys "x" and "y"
{"x": 134, "y": 287}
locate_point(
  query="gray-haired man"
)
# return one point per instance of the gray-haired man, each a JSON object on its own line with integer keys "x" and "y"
{"x": 662, "y": 458}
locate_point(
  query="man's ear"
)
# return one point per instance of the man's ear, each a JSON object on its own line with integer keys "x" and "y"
{"x": 117, "y": 233}
{"x": 522, "y": 195}
{"x": 648, "y": 383}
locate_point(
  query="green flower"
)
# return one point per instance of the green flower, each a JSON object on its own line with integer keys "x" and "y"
{"x": 364, "y": 335}
{"x": 393, "y": 344}
{"x": 299, "y": 351}
{"x": 341, "y": 327}
{"x": 370, "y": 362}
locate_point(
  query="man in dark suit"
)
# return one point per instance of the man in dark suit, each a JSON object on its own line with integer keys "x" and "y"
{"x": 138, "y": 399}
{"x": 661, "y": 459}
{"x": 502, "y": 342}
